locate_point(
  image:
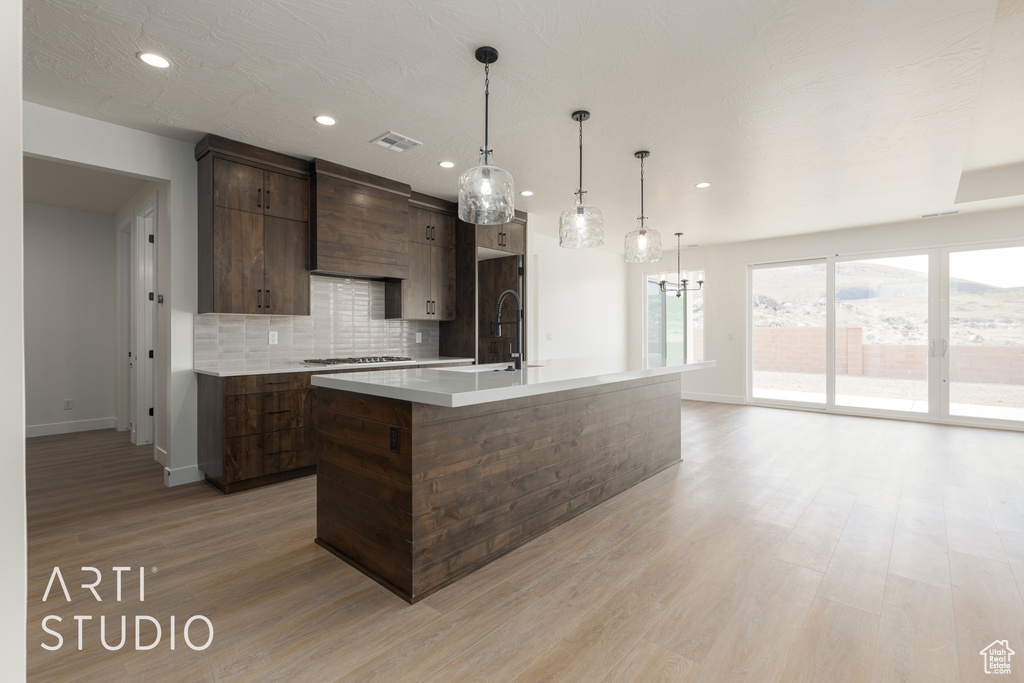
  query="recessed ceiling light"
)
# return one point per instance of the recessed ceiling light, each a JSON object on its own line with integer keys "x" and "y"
{"x": 703, "y": 185}
{"x": 154, "y": 60}
{"x": 325, "y": 120}
{"x": 526, "y": 193}
{"x": 446, "y": 164}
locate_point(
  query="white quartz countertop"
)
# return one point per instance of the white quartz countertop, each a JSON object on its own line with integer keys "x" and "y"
{"x": 217, "y": 371}
{"x": 471, "y": 385}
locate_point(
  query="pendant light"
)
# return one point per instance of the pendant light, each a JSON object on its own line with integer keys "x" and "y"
{"x": 643, "y": 245}
{"x": 683, "y": 283}
{"x": 486, "y": 192}
{"x": 581, "y": 226}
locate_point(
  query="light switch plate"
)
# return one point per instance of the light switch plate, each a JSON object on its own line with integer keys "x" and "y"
{"x": 69, "y": 404}
{"x": 272, "y": 337}
{"x": 419, "y": 337}
{"x": 549, "y": 336}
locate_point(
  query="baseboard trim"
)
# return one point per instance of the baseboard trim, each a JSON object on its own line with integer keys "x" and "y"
{"x": 70, "y": 427}
{"x": 160, "y": 455}
{"x": 713, "y": 398}
{"x": 182, "y": 475}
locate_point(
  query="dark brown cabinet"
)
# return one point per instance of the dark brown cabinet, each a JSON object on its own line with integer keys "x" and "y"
{"x": 510, "y": 237}
{"x": 255, "y": 429}
{"x": 253, "y": 230}
{"x": 256, "y": 190}
{"x": 428, "y": 293}
{"x": 494, "y": 276}
{"x": 359, "y": 225}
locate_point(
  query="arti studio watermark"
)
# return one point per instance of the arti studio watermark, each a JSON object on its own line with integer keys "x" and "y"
{"x": 197, "y": 631}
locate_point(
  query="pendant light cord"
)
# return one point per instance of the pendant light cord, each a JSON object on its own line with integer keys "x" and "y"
{"x": 581, "y": 193}
{"x": 487, "y": 98}
{"x": 641, "y": 193}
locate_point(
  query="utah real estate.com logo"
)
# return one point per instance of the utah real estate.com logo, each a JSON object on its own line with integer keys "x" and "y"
{"x": 193, "y": 631}
{"x": 997, "y": 657}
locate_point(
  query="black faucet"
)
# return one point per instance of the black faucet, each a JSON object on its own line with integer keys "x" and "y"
{"x": 518, "y": 355}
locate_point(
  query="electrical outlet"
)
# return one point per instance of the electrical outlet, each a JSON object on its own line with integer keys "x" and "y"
{"x": 69, "y": 404}
{"x": 419, "y": 337}
{"x": 272, "y": 337}
{"x": 549, "y": 336}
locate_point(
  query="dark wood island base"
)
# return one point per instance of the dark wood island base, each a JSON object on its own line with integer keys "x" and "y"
{"x": 416, "y": 495}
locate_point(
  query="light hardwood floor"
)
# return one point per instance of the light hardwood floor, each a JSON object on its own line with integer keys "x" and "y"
{"x": 788, "y": 546}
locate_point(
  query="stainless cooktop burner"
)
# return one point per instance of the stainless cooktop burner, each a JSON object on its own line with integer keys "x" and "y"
{"x": 359, "y": 359}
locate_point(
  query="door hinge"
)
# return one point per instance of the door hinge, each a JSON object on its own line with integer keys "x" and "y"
{"x": 520, "y": 270}
{"x": 151, "y": 296}
{"x": 151, "y": 412}
{"x": 151, "y": 353}
{"x": 152, "y": 239}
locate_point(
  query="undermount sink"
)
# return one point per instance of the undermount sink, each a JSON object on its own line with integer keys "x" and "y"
{"x": 489, "y": 367}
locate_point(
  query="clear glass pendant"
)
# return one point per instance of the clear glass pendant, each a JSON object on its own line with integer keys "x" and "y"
{"x": 581, "y": 227}
{"x": 486, "y": 194}
{"x": 643, "y": 245}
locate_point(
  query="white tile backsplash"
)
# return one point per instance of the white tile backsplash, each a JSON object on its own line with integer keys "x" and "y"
{"x": 347, "y": 320}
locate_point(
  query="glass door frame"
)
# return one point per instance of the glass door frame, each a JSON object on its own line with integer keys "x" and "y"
{"x": 829, "y": 356}
{"x": 946, "y": 342}
{"x": 938, "y": 336}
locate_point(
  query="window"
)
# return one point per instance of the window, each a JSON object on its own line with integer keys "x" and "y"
{"x": 675, "y": 320}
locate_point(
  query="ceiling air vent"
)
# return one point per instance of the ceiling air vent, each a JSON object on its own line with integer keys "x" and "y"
{"x": 395, "y": 141}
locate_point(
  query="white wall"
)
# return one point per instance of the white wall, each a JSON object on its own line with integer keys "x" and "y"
{"x": 576, "y": 295}
{"x": 13, "y": 576}
{"x": 54, "y": 134}
{"x": 70, "y": 319}
{"x": 725, "y": 269}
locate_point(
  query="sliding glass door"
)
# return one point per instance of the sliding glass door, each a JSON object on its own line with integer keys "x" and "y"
{"x": 788, "y": 323}
{"x": 936, "y": 333}
{"x": 985, "y": 351}
{"x": 881, "y": 333}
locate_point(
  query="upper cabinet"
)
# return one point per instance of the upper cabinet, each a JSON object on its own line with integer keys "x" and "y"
{"x": 510, "y": 237}
{"x": 360, "y": 224}
{"x": 428, "y": 293}
{"x": 253, "y": 230}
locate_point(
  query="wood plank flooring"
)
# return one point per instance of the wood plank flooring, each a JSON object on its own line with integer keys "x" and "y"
{"x": 787, "y": 546}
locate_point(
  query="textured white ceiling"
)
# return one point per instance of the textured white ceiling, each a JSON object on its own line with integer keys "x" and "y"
{"x": 77, "y": 187}
{"x": 806, "y": 115}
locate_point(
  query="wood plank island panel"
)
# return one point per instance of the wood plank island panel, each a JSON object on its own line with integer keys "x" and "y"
{"x": 416, "y": 495}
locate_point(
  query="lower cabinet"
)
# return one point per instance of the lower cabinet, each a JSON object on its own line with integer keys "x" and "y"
{"x": 255, "y": 429}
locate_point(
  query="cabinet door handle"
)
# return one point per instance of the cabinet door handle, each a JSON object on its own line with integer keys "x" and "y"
{"x": 277, "y": 452}
{"x": 266, "y": 201}
{"x": 259, "y": 298}
{"x": 267, "y": 305}
{"x": 426, "y": 231}
{"x": 428, "y": 307}
{"x": 278, "y": 412}
{"x": 433, "y": 232}
{"x": 259, "y": 198}
{"x": 285, "y": 382}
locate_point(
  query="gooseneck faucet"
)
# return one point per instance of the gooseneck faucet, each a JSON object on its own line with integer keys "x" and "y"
{"x": 518, "y": 355}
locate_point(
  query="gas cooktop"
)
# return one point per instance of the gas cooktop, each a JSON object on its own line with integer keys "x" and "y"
{"x": 357, "y": 360}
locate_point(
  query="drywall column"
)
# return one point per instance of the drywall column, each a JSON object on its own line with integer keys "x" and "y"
{"x": 55, "y": 134}
{"x": 13, "y": 576}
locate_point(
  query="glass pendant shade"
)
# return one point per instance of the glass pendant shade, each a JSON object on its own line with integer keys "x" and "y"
{"x": 581, "y": 227}
{"x": 486, "y": 195}
{"x": 643, "y": 245}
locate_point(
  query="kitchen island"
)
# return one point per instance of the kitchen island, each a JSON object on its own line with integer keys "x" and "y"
{"x": 424, "y": 475}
